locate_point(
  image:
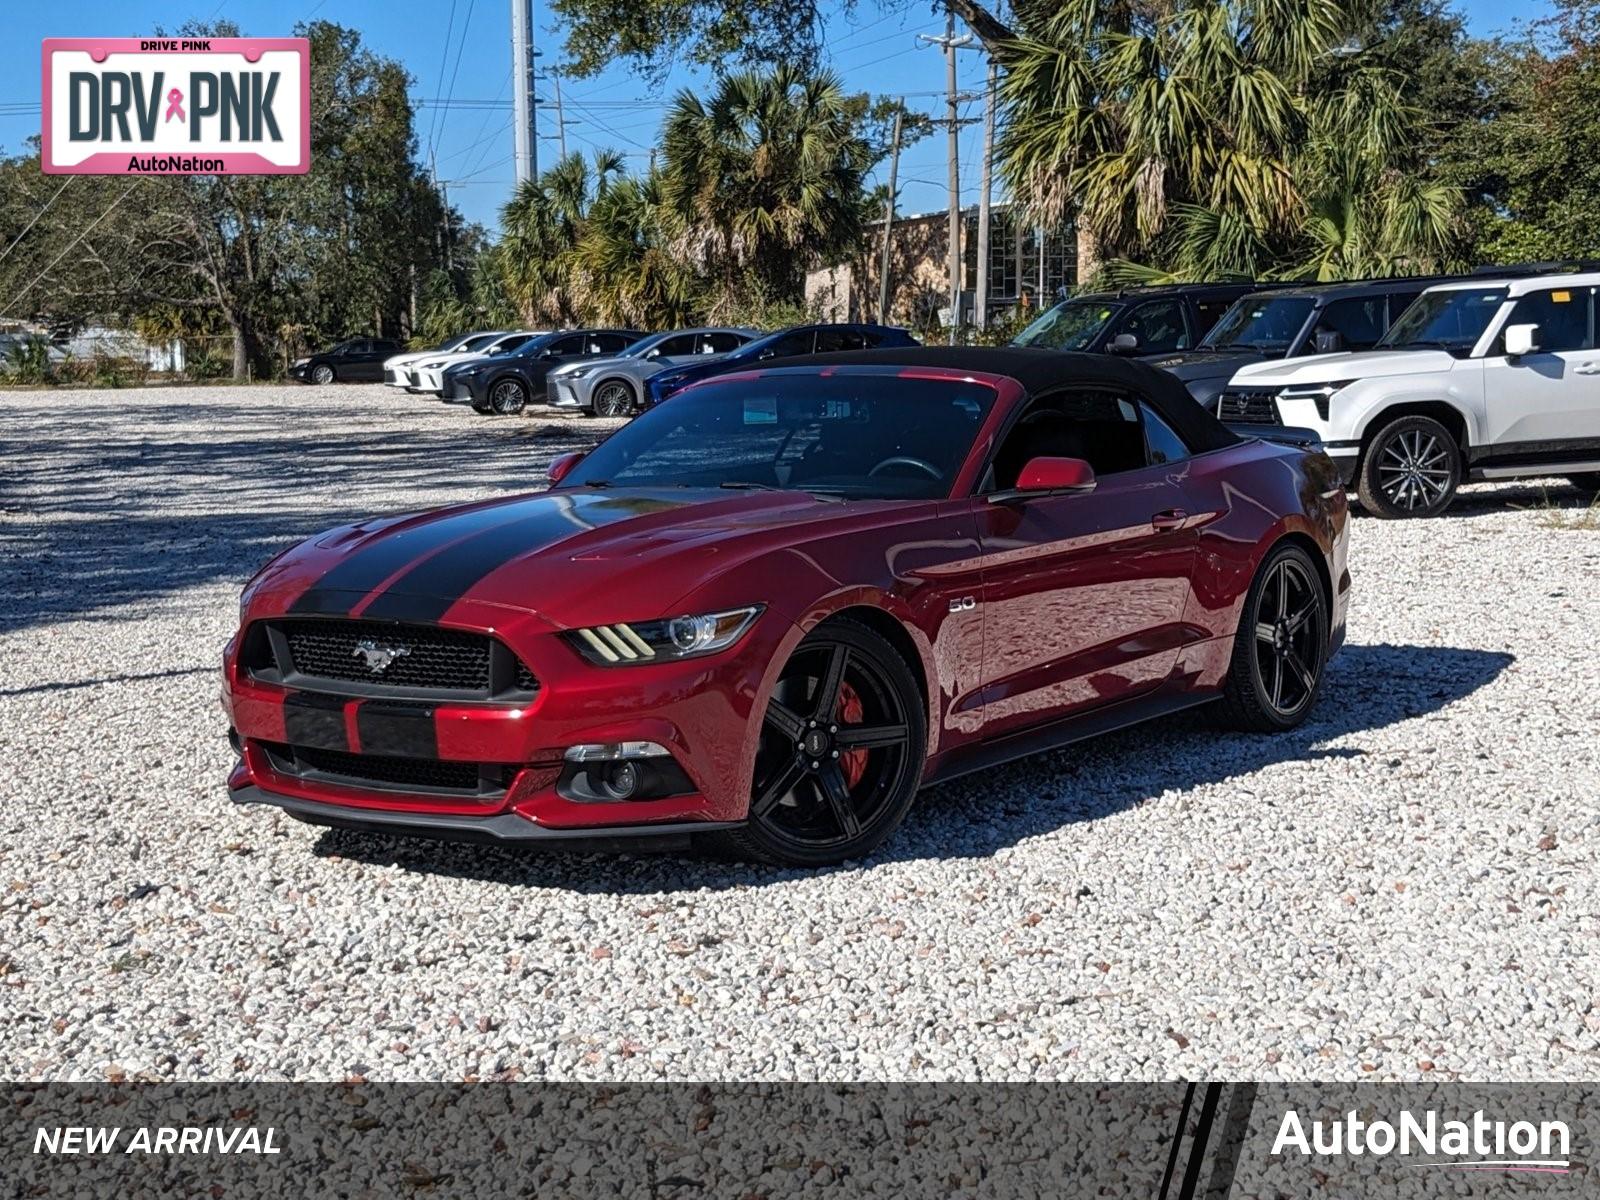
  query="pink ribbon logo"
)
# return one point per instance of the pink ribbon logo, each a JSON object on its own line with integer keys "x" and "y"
{"x": 175, "y": 105}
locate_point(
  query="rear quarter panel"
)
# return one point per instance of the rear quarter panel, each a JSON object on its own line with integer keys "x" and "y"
{"x": 1247, "y": 498}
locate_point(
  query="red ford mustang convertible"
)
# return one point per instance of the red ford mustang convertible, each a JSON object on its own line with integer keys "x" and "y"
{"x": 770, "y": 610}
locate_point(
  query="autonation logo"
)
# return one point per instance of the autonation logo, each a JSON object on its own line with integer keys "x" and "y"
{"x": 1477, "y": 1144}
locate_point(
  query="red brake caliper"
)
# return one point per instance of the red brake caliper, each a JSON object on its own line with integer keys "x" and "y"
{"x": 852, "y": 762}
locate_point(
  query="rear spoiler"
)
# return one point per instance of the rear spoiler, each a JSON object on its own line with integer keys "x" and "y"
{"x": 1287, "y": 435}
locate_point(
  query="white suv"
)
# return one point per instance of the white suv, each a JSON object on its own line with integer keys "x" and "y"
{"x": 1482, "y": 379}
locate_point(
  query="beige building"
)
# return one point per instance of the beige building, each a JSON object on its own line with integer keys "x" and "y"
{"x": 919, "y": 294}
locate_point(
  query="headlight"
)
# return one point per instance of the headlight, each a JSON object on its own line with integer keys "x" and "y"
{"x": 634, "y": 642}
{"x": 576, "y": 372}
{"x": 300, "y": 362}
{"x": 1322, "y": 393}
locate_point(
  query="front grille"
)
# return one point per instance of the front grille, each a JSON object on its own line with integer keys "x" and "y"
{"x": 425, "y": 659}
{"x": 1248, "y": 407}
{"x": 381, "y": 773}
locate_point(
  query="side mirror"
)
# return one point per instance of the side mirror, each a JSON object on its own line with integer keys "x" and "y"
{"x": 561, "y": 466}
{"x": 1124, "y": 343}
{"x": 1328, "y": 341}
{"x": 1521, "y": 339}
{"x": 1045, "y": 475}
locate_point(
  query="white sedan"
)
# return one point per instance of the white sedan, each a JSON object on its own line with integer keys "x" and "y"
{"x": 429, "y": 373}
{"x": 400, "y": 370}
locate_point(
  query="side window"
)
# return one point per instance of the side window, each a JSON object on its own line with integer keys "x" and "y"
{"x": 1209, "y": 312}
{"x": 840, "y": 339}
{"x": 798, "y": 342}
{"x": 720, "y": 343}
{"x": 1097, "y": 426}
{"x": 505, "y": 345}
{"x": 682, "y": 344}
{"x": 613, "y": 343}
{"x": 1159, "y": 326}
{"x": 571, "y": 344}
{"x": 1162, "y": 443}
{"x": 1562, "y": 315}
{"x": 1359, "y": 321}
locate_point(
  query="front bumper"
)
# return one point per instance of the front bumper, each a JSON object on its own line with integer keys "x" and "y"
{"x": 301, "y": 372}
{"x": 703, "y": 711}
{"x": 568, "y": 393}
{"x": 457, "y": 391}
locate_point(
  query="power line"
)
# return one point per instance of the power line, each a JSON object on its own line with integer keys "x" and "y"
{"x": 444, "y": 57}
{"x": 70, "y": 246}
{"x": 466, "y": 25}
{"x": 36, "y": 217}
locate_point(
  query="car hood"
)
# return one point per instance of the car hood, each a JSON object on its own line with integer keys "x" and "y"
{"x": 1329, "y": 368}
{"x": 1192, "y": 365}
{"x": 406, "y": 359}
{"x": 573, "y": 556}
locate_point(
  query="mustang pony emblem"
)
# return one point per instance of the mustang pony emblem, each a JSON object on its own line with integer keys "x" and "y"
{"x": 378, "y": 657}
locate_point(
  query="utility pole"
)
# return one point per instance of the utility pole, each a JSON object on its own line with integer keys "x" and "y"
{"x": 949, "y": 43}
{"x": 526, "y": 129}
{"x": 888, "y": 217}
{"x": 981, "y": 291}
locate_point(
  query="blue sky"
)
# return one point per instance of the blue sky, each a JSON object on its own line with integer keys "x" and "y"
{"x": 875, "y": 49}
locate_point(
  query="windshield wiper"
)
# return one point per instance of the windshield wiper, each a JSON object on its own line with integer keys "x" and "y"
{"x": 597, "y": 483}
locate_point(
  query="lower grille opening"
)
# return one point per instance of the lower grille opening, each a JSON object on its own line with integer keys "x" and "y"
{"x": 383, "y": 773}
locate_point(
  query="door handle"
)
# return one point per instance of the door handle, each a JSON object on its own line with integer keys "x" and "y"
{"x": 1586, "y": 369}
{"x": 1168, "y": 519}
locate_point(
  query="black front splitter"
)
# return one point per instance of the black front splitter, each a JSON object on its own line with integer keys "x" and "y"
{"x": 500, "y": 829}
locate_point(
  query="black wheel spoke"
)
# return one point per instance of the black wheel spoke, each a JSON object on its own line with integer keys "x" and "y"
{"x": 782, "y": 783}
{"x": 870, "y": 737}
{"x": 827, "y": 697}
{"x": 1297, "y": 619}
{"x": 1301, "y": 671}
{"x": 1277, "y": 681}
{"x": 785, "y": 720}
{"x": 837, "y": 794}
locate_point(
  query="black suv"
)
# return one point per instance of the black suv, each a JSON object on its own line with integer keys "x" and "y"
{"x": 1291, "y": 321}
{"x": 1135, "y": 320}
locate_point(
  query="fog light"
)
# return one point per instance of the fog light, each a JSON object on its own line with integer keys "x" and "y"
{"x": 611, "y": 772}
{"x": 620, "y": 780}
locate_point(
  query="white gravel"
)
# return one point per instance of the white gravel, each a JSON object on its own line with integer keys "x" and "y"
{"x": 1407, "y": 887}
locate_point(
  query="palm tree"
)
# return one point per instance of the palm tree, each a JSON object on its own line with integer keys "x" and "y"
{"x": 624, "y": 260}
{"x": 543, "y": 222}
{"x": 763, "y": 177}
{"x": 1215, "y": 137}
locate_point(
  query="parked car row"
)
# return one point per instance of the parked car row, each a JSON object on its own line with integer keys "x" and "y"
{"x": 604, "y": 372}
{"x": 1413, "y": 385}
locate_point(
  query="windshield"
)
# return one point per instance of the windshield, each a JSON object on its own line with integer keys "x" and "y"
{"x": 858, "y": 434}
{"x": 1071, "y": 325}
{"x": 1268, "y": 325}
{"x": 1452, "y": 319}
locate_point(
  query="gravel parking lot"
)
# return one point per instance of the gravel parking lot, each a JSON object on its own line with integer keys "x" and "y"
{"x": 1405, "y": 886}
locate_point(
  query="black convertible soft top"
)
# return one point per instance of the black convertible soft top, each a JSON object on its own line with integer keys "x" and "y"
{"x": 1042, "y": 370}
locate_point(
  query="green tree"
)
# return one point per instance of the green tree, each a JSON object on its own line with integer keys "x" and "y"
{"x": 1213, "y": 137}
{"x": 761, "y": 179}
{"x": 624, "y": 260}
{"x": 542, "y": 224}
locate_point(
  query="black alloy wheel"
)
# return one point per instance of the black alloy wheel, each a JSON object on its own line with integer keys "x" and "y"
{"x": 1281, "y": 647}
{"x": 1411, "y": 469}
{"x": 322, "y": 373}
{"x": 840, "y": 755}
{"x": 507, "y": 397}
{"x": 613, "y": 398}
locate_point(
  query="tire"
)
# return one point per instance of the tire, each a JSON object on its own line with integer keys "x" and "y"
{"x": 1589, "y": 481}
{"x": 322, "y": 373}
{"x": 817, "y": 798}
{"x": 507, "y": 397}
{"x": 1411, "y": 468}
{"x": 482, "y": 407}
{"x": 614, "y": 398}
{"x": 1281, "y": 647}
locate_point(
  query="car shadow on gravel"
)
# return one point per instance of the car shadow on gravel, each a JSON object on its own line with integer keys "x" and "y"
{"x": 1483, "y": 499}
{"x": 1367, "y": 688}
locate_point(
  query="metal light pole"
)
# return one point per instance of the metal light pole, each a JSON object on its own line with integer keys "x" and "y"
{"x": 526, "y": 129}
{"x": 949, "y": 43}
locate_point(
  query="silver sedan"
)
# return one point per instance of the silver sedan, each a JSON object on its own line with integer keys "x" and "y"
{"x": 611, "y": 387}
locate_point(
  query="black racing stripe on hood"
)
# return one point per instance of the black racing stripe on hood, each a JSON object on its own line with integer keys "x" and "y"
{"x": 433, "y": 586}
{"x": 365, "y": 569}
